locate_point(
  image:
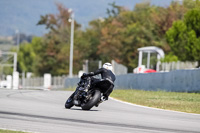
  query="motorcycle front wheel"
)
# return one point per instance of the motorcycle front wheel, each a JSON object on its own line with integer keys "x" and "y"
{"x": 94, "y": 99}
{"x": 69, "y": 103}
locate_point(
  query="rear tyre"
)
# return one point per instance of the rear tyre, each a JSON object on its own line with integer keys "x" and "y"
{"x": 95, "y": 98}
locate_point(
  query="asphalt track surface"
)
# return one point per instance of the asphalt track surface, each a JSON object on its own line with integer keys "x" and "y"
{"x": 44, "y": 112}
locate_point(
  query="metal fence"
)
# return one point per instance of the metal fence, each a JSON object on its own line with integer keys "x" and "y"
{"x": 91, "y": 65}
{"x": 170, "y": 66}
{"x": 31, "y": 82}
{"x": 58, "y": 82}
{"x": 38, "y": 83}
{"x": 119, "y": 69}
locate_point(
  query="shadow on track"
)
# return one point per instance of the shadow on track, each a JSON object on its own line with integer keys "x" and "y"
{"x": 83, "y": 110}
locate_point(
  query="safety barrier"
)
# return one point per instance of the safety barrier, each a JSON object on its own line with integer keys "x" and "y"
{"x": 71, "y": 82}
{"x": 176, "y": 81}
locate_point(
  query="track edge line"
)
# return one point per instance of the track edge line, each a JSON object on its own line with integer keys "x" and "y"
{"x": 132, "y": 104}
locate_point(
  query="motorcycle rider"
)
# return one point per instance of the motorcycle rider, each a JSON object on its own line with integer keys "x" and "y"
{"x": 106, "y": 74}
{"x": 106, "y": 82}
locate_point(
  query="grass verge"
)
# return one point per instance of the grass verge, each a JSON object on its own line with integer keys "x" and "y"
{"x": 9, "y": 131}
{"x": 184, "y": 102}
{"x": 67, "y": 89}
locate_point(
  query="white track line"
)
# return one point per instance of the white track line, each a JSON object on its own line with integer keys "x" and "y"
{"x": 132, "y": 104}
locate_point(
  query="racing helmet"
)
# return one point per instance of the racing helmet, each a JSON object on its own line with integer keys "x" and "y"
{"x": 107, "y": 66}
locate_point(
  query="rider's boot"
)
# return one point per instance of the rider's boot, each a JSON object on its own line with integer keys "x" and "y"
{"x": 104, "y": 98}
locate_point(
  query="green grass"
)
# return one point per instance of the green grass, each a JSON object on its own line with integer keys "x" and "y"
{"x": 184, "y": 102}
{"x": 9, "y": 131}
{"x": 68, "y": 89}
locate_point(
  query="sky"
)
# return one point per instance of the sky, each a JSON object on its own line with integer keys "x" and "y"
{"x": 23, "y": 15}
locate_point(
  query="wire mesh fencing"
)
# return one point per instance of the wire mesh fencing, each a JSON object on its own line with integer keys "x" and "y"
{"x": 119, "y": 69}
{"x": 170, "y": 66}
{"x": 56, "y": 82}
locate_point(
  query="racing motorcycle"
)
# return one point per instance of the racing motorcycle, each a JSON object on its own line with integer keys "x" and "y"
{"x": 87, "y": 93}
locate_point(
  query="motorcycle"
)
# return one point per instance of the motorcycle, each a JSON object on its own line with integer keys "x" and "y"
{"x": 88, "y": 93}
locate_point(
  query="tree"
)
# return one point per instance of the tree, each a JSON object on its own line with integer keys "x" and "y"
{"x": 54, "y": 57}
{"x": 110, "y": 45}
{"x": 184, "y": 36}
{"x": 164, "y": 17}
{"x": 140, "y": 31}
{"x": 27, "y": 55}
{"x": 118, "y": 36}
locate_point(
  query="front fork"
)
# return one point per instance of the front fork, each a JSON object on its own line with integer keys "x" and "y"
{"x": 79, "y": 96}
{"x": 82, "y": 92}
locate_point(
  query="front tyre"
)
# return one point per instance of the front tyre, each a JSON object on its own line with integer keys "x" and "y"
{"x": 95, "y": 98}
{"x": 69, "y": 103}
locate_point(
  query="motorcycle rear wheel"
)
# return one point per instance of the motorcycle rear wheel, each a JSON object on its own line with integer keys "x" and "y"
{"x": 93, "y": 100}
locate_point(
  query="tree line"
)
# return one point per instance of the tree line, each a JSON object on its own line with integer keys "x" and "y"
{"x": 175, "y": 29}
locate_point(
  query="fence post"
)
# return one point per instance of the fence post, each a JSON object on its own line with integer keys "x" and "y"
{"x": 15, "y": 80}
{"x": 47, "y": 81}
